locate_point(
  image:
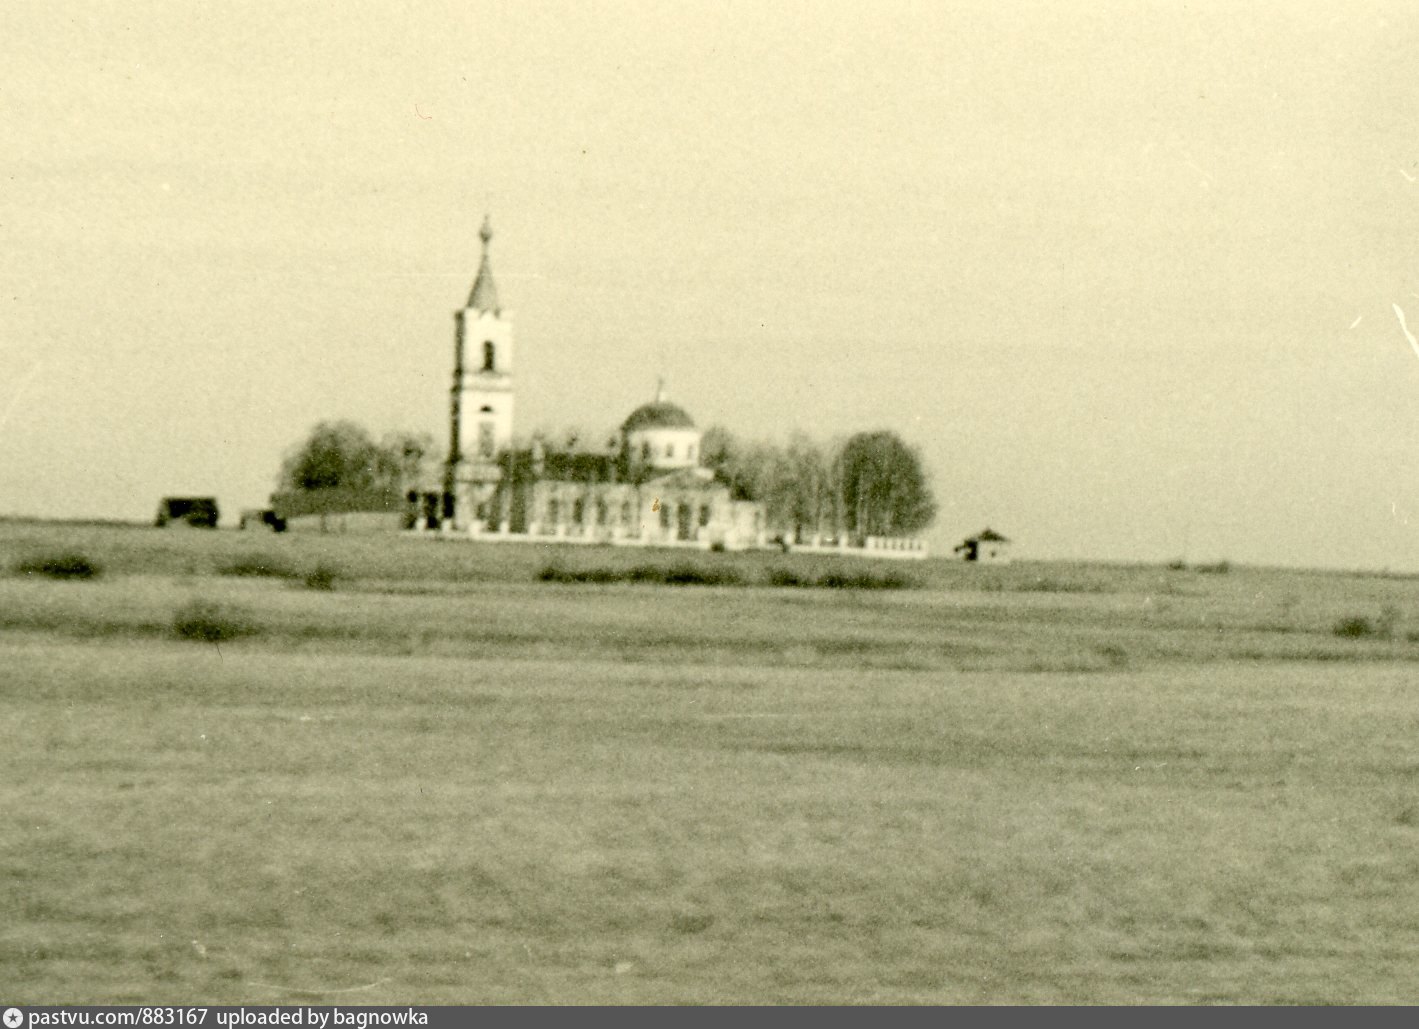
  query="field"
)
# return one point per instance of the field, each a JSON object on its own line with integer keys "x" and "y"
{"x": 245, "y": 768}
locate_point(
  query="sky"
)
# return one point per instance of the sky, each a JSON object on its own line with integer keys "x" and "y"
{"x": 1128, "y": 275}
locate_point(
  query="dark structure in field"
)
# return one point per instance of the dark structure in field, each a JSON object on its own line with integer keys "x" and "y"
{"x": 196, "y": 511}
{"x": 255, "y": 518}
{"x": 987, "y": 545}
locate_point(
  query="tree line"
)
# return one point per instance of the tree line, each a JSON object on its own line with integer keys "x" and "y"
{"x": 870, "y": 484}
{"x": 342, "y": 455}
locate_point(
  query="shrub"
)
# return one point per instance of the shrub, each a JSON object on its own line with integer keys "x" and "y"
{"x": 688, "y": 924}
{"x": 59, "y": 566}
{"x": 555, "y": 573}
{"x": 1045, "y": 584}
{"x": 1113, "y": 654}
{"x": 692, "y": 575}
{"x": 1356, "y": 627}
{"x": 1217, "y": 568}
{"x": 1177, "y": 564}
{"x": 1362, "y": 626}
{"x": 211, "y": 622}
{"x": 322, "y": 577}
{"x": 864, "y": 581}
{"x": 263, "y": 566}
{"x": 841, "y": 580}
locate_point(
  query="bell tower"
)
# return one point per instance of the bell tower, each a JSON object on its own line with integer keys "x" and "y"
{"x": 480, "y": 430}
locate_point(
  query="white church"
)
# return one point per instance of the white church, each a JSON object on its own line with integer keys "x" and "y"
{"x": 647, "y": 487}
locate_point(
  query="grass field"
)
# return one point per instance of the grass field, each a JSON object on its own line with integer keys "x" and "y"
{"x": 430, "y": 777}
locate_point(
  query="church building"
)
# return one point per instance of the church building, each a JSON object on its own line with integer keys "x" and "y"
{"x": 646, "y": 487}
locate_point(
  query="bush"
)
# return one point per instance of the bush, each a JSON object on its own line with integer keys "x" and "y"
{"x": 211, "y": 622}
{"x": 1356, "y": 627}
{"x": 1046, "y": 584}
{"x": 1217, "y": 568}
{"x": 322, "y": 577}
{"x": 692, "y": 575}
{"x": 263, "y": 566}
{"x": 556, "y": 573}
{"x": 59, "y": 566}
{"x": 864, "y": 581}
{"x": 1113, "y": 654}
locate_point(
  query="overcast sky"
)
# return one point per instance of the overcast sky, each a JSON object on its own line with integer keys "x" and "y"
{"x": 1126, "y": 274}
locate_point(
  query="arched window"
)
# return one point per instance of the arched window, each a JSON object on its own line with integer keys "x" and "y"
{"x": 489, "y": 356}
{"x": 670, "y": 450}
{"x": 554, "y": 512}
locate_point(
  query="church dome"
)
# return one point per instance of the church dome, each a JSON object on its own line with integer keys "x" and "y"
{"x": 660, "y": 415}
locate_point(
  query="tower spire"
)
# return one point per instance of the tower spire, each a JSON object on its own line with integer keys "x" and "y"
{"x": 485, "y": 294}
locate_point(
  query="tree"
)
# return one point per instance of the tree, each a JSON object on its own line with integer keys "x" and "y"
{"x": 873, "y": 485}
{"x": 406, "y": 460}
{"x": 732, "y": 461}
{"x": 336, "y": 455}
{"x": 343, "y": 455}
{"x": 806, "y": 471}
{"x": 884, "y": 489}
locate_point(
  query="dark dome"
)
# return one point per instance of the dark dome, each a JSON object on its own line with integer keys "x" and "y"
{"x": 660, "y": 415}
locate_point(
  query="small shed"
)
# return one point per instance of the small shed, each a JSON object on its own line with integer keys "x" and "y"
{"x": 197, "y": 511}
{"x": 987, "y": 545}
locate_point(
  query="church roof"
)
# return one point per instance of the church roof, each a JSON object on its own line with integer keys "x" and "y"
{"x": 684, "y": 478}
{"x": 661, "y": 414}
{"x": 485, "y": 294}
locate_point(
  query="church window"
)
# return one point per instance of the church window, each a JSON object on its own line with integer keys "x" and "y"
{"x": 601, "y": 512}
{"x": 626, "y": 513}
{"x": 670, "y": 450}
{"x": 704, "y": 515}
{"x": 645, "y": 451}
{"x": 578, "y": 510}
{"x": 664, "y": 515}
{"x": 554, "y": 512}
{"x": 489, "y": 355}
